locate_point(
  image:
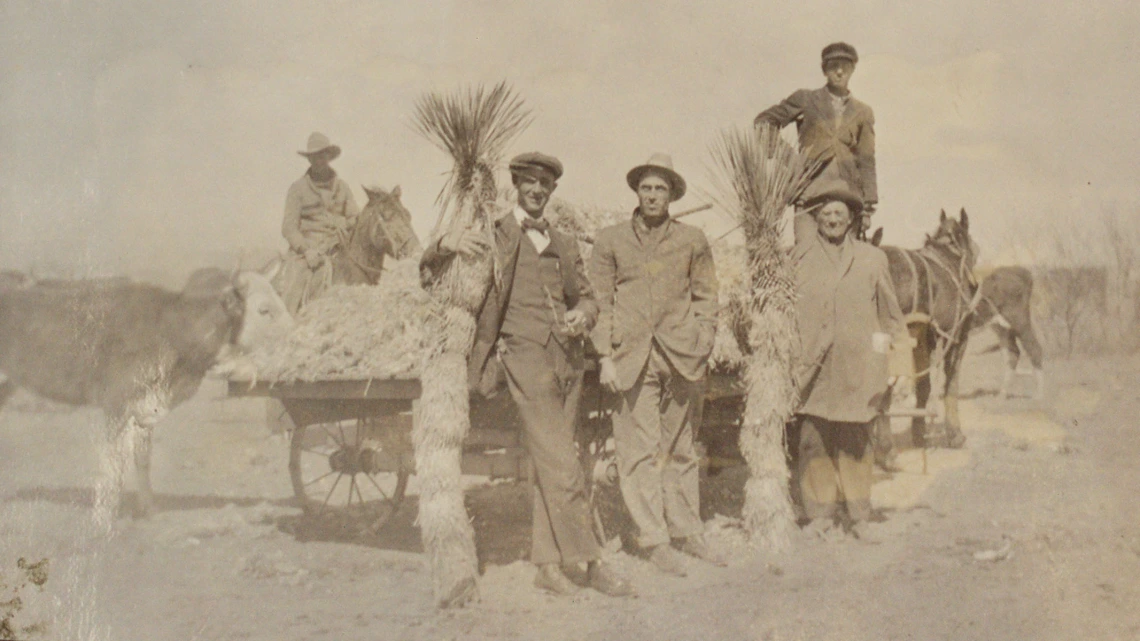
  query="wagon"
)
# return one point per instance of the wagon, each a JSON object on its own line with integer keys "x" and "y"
{"x": 350, "y": 448}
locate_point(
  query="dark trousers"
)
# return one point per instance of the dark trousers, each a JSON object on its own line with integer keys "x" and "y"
{"x": 835, "y": 464}
{"x": 546, "y": 385}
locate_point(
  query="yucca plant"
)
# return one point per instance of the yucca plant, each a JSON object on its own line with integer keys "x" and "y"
{"x": 474, "y": 127}
{"x": 757, "y": 175}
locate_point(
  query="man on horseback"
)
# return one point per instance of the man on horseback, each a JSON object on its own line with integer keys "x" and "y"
{"x": 319, "y": 213}
{"x": 835, "y": 130}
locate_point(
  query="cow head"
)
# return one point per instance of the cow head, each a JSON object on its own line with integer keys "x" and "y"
{"x": 263, "y": 314}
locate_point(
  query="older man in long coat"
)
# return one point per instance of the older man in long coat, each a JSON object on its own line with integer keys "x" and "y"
{"x": 657, "y": 292}
{"x": 853, "y": 339}
{"x": 530, "y": 337}
{"x": 835, "y": 130}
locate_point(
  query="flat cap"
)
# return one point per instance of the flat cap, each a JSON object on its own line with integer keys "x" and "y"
{"x": 839, "y": 51}
{"x": 533, "y": 160}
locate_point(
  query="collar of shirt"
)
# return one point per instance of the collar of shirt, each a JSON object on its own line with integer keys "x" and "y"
{"x": 644, "y": 230}
{"x": 322, "y": 184}
{"x": 540, "y": 239}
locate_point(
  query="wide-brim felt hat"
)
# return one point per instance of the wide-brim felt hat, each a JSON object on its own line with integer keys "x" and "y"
{"x": 839, "y": 51}
{"x": 831, "y": 191}
{"x": 533, "y": 161}
{"x": 661, "y": 164}
{"x": 319, "y": 142}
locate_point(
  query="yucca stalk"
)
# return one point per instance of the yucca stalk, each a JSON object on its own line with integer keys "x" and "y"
{"x": 758, "y": 174}
{"x": 474, "y": 127}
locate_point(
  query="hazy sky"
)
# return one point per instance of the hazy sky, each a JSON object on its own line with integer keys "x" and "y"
{"x": 152, "y": 136}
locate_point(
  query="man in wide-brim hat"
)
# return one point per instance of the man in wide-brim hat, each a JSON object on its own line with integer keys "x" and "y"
{"x": 319, "y": 212}
{"x": 853, "y": 339}
{"x": 835, "y": 130}
{"x": 656, "y": 290}
{"x": 529, "y": 338}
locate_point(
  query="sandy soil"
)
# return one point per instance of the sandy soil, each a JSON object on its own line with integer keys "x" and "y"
{"x": 1030, "y": 532}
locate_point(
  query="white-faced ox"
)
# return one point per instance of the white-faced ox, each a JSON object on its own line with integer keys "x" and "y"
{"x": 134, "y": 350}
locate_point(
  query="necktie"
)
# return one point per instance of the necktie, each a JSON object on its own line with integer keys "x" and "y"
{"x": 537, "y": 224}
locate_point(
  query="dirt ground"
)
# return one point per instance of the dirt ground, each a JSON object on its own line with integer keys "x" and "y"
{"x": 1030, "y": 532}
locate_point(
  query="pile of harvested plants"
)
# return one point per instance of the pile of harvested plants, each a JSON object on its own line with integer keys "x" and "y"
{"x": 758, "y": 175}
{"x": 474, "y": 128}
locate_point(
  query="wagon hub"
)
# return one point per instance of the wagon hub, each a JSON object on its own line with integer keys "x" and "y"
{"x": 355, "y": 460}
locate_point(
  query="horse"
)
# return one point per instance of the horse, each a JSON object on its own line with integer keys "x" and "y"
{"x": 384, "y": 227}
{"x": 939, "y": 297}
{"x": 1005, "y": 307}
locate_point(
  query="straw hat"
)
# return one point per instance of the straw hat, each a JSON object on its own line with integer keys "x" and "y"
{"x": 319, "y": 142}
{"x": 661, "y": 164}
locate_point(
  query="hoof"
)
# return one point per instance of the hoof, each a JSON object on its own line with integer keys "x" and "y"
{"x": 955, "y": 441}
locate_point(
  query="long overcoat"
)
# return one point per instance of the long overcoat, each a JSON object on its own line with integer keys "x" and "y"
{"x": 664, "y": 291}
{"x": 484, "y": 373}
{"x": 844, "y": 299}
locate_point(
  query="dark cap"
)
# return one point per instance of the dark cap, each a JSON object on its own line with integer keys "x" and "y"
{"x": 535, "y": 161}
{"x": 839, "y": 51}
{"x": 819, "y": 194}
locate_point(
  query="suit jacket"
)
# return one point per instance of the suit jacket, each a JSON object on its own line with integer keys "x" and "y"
{"x": 484, "y": 373}
{"x": 664, "y": 291}
{"x": 845, "y": 145}
{"x": 841, "y": 304}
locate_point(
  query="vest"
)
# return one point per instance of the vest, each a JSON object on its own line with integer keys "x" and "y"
{"x": 528, "y": 314}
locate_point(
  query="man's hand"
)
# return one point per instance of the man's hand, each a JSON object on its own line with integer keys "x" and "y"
{"x": 467, "y": 242}
{"x": 313, "y": 258}
{"x": 575, "y": 322}
{"x": 607, "y": 374}
{"x": 901, "y": 386}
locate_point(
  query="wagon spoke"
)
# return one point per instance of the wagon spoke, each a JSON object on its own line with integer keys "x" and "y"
{"x": 343, "y": 441}
{"x": 359, "y": 495}
{"x": 314, "y": 452}
{"x": 351, "y": 489}
{"x": 382, "y": 492}
{"x": 325, "y": 475}
{"x": 330, "y": 434}
{"x": 332, "y": 489}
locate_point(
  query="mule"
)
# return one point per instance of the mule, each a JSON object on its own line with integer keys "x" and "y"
{"x": 939, "y": 295}
{"x": 384, "y": 228}
{"x": 1005, "y": 307}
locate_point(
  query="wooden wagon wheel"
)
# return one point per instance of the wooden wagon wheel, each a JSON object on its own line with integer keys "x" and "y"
{"x": 357, "y": 468}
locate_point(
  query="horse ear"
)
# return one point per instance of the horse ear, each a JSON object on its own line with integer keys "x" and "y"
{"x": 396, "y": 192}
{"x": 964, "y": 219}
{"x": 943, "y": 217}
{"x": 877, "y": 237}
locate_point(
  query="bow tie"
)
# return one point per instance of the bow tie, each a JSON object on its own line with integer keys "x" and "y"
{"x": 537, "y": 224}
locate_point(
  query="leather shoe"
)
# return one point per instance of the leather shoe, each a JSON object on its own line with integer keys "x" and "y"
{"x": 551, "y": 579}
{"x": 606, "y": 581}
{"x": 696, "y": 546}
{"x": 667, "y": 560}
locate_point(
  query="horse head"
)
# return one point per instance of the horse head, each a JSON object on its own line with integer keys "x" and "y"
{"x": 953, "y": 235}
{"x": 387, "y": 224}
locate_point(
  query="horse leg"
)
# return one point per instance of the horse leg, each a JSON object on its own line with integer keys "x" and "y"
{"x": 144, "y": 501}
{"x": 1012, "y": 356}
{"x": 1036, "y": 358}
{"x": 954, "y": 436}
{"x": 924, "y": 338}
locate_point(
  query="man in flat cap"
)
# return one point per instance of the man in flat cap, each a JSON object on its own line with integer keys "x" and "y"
{"x": 319, "y": 213}
{"x": 657, "y": 295}
{"x": 530, "y": 331}
{"x": 853, "y": 340}
{"x": 834, "y": 129}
